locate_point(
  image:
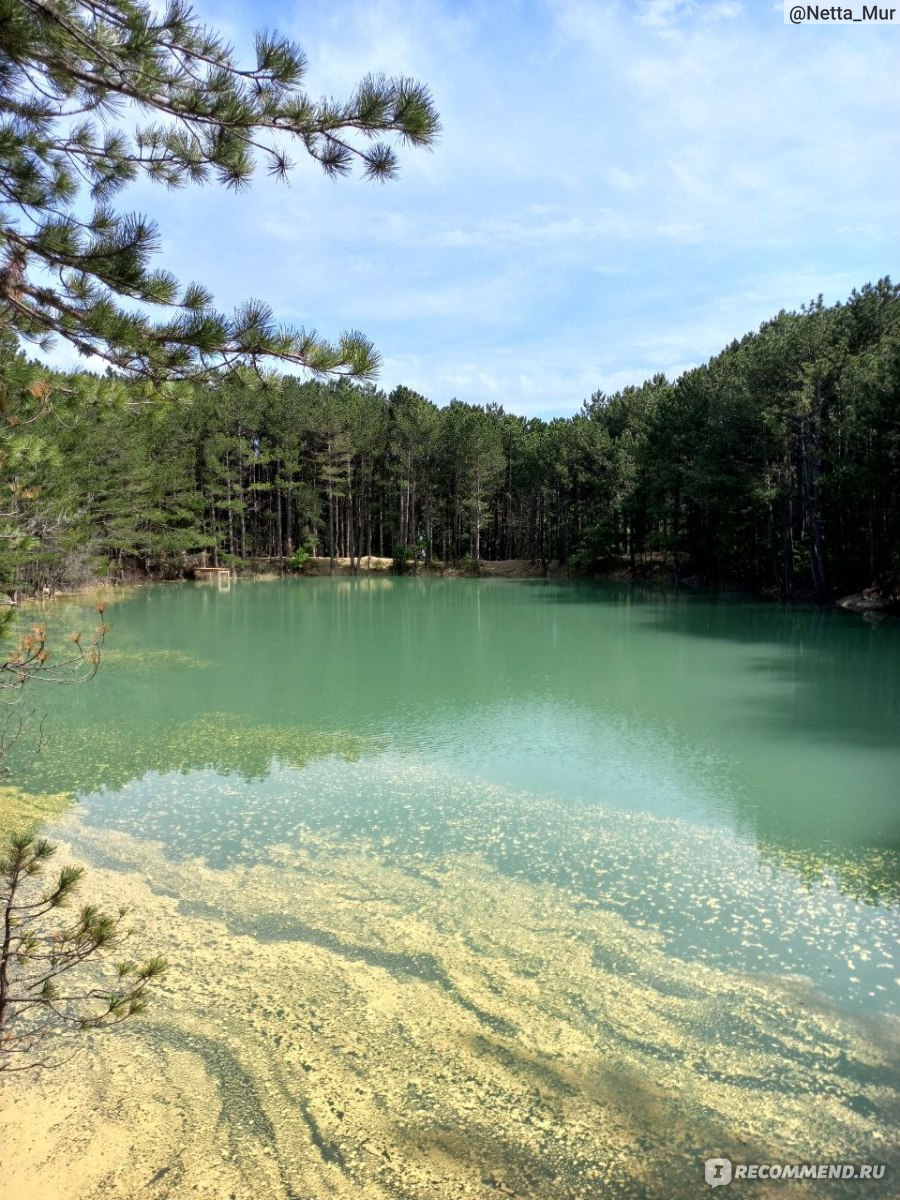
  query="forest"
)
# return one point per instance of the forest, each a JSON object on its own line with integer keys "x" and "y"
{"x": 774, "y": 468}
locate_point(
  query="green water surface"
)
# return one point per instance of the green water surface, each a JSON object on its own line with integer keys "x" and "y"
{"x": 706, "y": 749}
{"x": 722, "y": 773}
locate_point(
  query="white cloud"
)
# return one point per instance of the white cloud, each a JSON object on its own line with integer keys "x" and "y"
{"x": 619, "y": 189}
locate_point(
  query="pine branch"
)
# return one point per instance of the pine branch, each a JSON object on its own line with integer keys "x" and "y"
{"x": 59, "y": 58}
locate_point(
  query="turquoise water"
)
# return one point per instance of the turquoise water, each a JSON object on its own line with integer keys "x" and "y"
{"x": 733, "y": 748}
{"x": 720, "y": 778}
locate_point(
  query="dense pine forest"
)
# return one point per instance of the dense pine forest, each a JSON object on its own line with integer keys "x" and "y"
{"x": 774, "y": 468}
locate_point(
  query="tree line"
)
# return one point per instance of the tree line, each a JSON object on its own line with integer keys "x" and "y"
{"x": 774, "y": 467}
{"x": 71, "y": 266}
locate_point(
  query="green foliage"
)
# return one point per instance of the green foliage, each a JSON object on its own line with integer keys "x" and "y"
{"x": 52, "y": 977}
{"x": 299, "y": 559}
{"x": 774, "y": 467}
{"x": 404, "y": 560}
{"x": 52, "y": 981}
{"x": 67, "y": 69}
{"x": 468, "y": 565}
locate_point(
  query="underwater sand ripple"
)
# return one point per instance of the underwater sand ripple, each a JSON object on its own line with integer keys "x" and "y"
{"x": 334, "y": 1024}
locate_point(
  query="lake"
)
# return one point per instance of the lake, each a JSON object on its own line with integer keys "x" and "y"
{"x": 477, "y": 888}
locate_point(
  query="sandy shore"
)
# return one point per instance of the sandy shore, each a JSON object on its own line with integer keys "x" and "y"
{"x": 335, "y": 1024}
{"x": 511, "y": 568}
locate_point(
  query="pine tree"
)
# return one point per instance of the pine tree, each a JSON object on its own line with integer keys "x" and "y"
{"x": 52, "y": 978}
{"x": 69, "y": 70}
{"x": 55, "y": 979}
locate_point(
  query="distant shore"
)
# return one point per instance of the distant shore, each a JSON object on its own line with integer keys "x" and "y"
{"x": 511, "y": 568}
{"x": 871, "y": 604}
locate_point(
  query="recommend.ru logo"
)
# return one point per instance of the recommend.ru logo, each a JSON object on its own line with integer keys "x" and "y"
{"x": 719, "y": 1171}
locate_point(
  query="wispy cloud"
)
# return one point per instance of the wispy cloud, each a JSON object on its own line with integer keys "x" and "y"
{"x": 620, "y": 188}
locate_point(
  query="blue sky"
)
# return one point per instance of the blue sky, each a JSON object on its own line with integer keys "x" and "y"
{"x": 620, "y": 188}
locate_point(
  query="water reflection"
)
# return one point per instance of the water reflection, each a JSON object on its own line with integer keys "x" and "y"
{"x": 771, "y": 724}
{"x": 481, "y": 888}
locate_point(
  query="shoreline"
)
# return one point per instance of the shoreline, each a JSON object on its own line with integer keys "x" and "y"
{"x": 652, "y": 574}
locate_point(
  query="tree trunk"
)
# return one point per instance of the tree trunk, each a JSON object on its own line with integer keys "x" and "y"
{"x": 812, "y": 471}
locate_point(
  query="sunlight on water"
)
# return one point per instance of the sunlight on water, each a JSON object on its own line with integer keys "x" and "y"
{"x": 476, "y": 891}
{"x": 347, "y": 1019}
{"x": 713, "y": 895}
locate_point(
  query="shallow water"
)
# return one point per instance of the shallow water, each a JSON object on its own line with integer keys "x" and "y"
{"x": 547, "y": 889}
